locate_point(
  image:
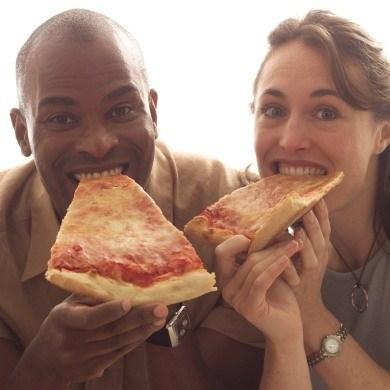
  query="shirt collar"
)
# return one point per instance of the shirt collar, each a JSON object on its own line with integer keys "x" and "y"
{"x": 163, "y": 178}
{"x": 44, "y": 228}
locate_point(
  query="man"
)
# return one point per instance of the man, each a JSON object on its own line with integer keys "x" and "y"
{"x": 85, "y": 107}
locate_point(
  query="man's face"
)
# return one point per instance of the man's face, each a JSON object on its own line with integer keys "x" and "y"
{"x": 88, "y": 113}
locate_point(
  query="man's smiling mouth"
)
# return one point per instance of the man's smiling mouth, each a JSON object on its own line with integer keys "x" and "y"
{"x": 95, "y": 173}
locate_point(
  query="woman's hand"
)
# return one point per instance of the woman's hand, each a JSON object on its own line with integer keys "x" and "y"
{"x": 312, "y": 260}
{"x": 254, "y": 288}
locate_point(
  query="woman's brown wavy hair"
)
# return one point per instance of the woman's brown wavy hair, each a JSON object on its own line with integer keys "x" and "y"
{"x": 345, "y": 42}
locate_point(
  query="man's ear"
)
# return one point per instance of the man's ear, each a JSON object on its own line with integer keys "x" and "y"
{"x": 153, "y": 98}
{"x": 19, "y": 123}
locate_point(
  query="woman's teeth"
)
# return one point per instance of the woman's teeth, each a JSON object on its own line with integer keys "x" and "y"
{"x": 300, "y": 171}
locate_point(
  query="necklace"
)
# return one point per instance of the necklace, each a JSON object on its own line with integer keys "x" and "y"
{"x": 359, "y": 293}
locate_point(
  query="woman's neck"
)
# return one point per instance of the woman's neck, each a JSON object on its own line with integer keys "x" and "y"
{"x": 352, "y": 234}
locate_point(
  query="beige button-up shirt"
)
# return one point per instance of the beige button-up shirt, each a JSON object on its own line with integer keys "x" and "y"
{"x": 181, "y": 185}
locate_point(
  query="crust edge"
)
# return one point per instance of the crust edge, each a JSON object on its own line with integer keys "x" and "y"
{"x": 177, "y": 289}
{"x": 199, "y": 228}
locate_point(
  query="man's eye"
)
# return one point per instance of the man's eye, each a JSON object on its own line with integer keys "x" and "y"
{"x": 120, "y": 111}
{"x": 326, "y": 114}
{"x": 62, "y": 119}
{"x": 272, "y": 111}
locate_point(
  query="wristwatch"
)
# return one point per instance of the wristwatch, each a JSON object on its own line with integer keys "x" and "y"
{"x": 175, "y": 330}
{"x": 331, "y": 346}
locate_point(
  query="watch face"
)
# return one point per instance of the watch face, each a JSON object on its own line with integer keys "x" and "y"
{"x": 332, "y": 345}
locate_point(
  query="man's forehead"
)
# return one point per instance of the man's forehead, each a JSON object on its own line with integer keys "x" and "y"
{"x": 60, "y": 58}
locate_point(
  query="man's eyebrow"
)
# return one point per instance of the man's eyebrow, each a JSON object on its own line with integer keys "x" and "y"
{"x": 57, "y": 100}
{"x": 123, "y": 90}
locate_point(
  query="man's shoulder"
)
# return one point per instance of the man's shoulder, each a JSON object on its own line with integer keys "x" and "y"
{"x": 210, "y": 174}
{"x": 13, "y": 182}
{"x": 17, "y": 173}
{"x": 199, "y": 181}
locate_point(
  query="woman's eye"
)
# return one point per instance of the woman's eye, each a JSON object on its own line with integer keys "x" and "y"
{"x": 326, "y": 114}
{"x": 120, "y": 111}
{"x": 272, "y": 111}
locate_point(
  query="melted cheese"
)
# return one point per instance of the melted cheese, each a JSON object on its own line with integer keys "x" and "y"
{"x": 113, "y": 228}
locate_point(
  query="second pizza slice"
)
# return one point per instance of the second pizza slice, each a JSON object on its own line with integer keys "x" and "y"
{"x": 262, "y": 210}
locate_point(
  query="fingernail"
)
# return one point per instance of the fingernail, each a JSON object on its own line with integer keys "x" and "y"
{"x": 292, "y": 244}
{"x": 160, "y": 311}
{"x": 126, "y": 305}
{"x": 283, "y": 259}
{"x": 159, "y": 323}
{"x": 300, "y": 234}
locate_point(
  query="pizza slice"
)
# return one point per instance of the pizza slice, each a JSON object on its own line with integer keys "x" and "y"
{"x": 114, "y": 242}
{"x": 262, "y": 210}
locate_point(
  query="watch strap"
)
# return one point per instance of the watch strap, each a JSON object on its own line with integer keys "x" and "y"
{"x": 320, "y": 355}
{"x": 175, "y": 330}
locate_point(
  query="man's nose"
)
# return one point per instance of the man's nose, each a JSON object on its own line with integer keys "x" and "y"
{"x": 295, "y": 135}
{"x": 97, "y": 140}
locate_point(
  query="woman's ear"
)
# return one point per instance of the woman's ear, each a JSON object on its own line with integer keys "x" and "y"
{"x": 20, "y": 127}
{"x": 383, "y": 137}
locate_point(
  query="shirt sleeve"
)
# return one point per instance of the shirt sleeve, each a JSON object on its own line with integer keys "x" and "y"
{"x": 227, "y": 321}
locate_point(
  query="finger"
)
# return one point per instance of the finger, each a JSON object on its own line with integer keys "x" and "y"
{"x": 133, "y": 337}
{"x": 286, "y": 248}
{"x": 290, "y": 275}
{"x": 235, "y": 293}
{"x": 322, "y": 214}
{"x": 314, "y": 233}
{"x": 265, "y": 280}
{"x": 77, "y": 298}
{"x": 255, "y": 264}
{"x": 81, "y": 316}
{"x": 139, "y": 316}
{"x": 308, "y": 258}
{"x": 226, "y": 254}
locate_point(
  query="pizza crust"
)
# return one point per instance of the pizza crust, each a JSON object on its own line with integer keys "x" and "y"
{"x": 176, "y": 289}
{"x": 199, "y": 228}
{"x": 278, "y": 220}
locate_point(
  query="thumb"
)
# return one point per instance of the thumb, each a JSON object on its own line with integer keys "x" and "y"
{"x": 227, "y": 254}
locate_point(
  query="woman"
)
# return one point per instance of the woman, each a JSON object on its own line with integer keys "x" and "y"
{"x": 322, "y": 101}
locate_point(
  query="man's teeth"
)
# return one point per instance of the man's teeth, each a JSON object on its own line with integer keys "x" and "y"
{"x": 96, "y": 175}
{"x": 301, "y": 171}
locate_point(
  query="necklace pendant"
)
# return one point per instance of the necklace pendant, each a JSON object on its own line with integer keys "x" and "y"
{"x": 359, "y": 298}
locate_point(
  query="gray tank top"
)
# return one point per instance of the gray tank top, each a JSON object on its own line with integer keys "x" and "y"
{"x": 371, "y": 329}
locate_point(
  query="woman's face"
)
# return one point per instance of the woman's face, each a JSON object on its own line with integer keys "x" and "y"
{"x": 303, "y": 126}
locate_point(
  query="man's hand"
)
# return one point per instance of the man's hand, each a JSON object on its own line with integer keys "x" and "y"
{"x": 80, "y": 338}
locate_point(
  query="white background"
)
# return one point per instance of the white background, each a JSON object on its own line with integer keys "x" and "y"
{"x": 202, "y": 56}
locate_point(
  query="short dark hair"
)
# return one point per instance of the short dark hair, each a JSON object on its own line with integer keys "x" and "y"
{"x": 80, "y": 25}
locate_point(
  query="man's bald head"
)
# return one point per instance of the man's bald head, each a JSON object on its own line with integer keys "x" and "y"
{"x": 78, "y": 25}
